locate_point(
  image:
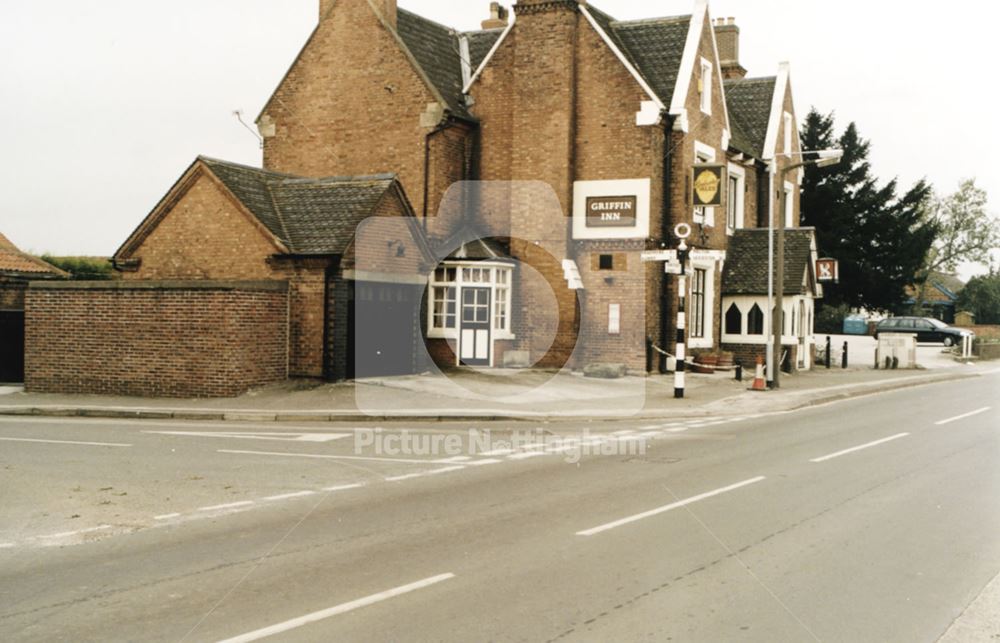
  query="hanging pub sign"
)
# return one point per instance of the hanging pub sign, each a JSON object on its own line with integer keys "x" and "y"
{"x": 828, "y": 270}
{"x": 707, "y": 182}
{"x": 611, "y": 211}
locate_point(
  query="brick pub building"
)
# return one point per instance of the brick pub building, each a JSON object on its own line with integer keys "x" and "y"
{"x": 601, "y": 120}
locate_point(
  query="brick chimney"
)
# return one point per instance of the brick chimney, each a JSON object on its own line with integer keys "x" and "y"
{"x": 543, "y": 6}
{"x": 727, "y": 36}
{"x": 498, "y": 17}
{"x": 386, "y": 8}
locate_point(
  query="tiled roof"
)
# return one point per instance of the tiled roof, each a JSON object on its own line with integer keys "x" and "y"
{"x": 654, "y": 47}
{"x": 310, "y": 216}
{"x": 435, "y": 48}
{"x": 15, "y": 263}
{"x": 480, "y": 43}
{"x": 746, "y": 261}
{"x": 749, "y": 101}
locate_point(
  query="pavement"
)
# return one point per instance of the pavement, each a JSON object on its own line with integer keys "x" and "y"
{"x": 865, "y": 519}
{"x": 502, "y": 394}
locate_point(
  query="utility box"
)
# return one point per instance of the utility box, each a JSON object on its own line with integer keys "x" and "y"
{"x": 855, "y": 325}
{"x": 896, "y": 350}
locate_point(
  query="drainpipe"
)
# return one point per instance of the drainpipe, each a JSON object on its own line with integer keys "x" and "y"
{"x": 665, "y": 228}
{"x": 442, "y": 126}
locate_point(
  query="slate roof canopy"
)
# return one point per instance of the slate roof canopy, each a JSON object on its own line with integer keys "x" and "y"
{"x": 14, "y": 263}
{"x": 746, "y": 264}
{"x": 309, "y": 216}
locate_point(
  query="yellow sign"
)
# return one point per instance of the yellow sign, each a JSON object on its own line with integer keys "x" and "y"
{"x": 708, "y": 181}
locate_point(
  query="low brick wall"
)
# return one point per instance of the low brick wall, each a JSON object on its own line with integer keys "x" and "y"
{"x": 155, "y": 338}
{"x": 988, "y": 351}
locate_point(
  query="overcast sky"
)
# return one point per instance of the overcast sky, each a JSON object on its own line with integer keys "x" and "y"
{"x": 106, "y": 102}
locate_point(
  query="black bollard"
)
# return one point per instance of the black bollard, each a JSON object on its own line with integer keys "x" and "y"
{"x": 829, "y": 349}
{"x": 739, "y": 371}
{"x": 843, "y": 358}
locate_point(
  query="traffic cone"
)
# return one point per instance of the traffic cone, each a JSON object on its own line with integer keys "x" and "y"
{"x": 758, "y": 379}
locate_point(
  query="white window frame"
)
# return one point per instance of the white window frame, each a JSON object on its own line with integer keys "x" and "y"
{"x": 496, "y": 289}
{"x": 789, "y": 199}
{"x": 708, "y": 341}
{"x": 737, "y": 172}
{"x": 704, "y": 154}
{"x": 705, "y": 97}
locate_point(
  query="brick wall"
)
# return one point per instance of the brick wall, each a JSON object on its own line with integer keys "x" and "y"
{"x": 350, "y": 105}
{"x": 164, "y": 339}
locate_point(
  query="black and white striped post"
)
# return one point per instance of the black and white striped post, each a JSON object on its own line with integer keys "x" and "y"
{"x": 682, "y": 231}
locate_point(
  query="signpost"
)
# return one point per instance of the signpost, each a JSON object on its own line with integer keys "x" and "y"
{"x": 682, "y": 231}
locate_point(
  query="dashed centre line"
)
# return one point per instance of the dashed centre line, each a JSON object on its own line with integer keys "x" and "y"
{"x": 287, "y": 496}
{"x": 665, "y": 508}
{"x": 343, "y": 608}
{"x": 963, "y": 416}
{"x": 867, "y": 445}
{"x": 229, "y": 505}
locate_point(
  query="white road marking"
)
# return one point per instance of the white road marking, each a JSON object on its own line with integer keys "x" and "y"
{"x": 287, "y": 496}
{"x": 860, "y": 447}
{"x": 337, "y": 610}
{"x": 258, "y": 435}
{"x": 422, "y": 474}
{"x": 525, "y": 456}
{"x": 479, "y": 463}
{"x": 67, "y": 534}
{"x": 496, "y": 452}
{"x": 345, "y": 487}
{"x": 963, "y": 416}
{"x": 230, "y": 505}
{"x": 167, "y": 516}
{"x": 680, "y": 429}
{"x": 6, "y": 545}
{"x": 665, "y": 508}
{"x": 331, "y": 457}
{"x": 87, "y": 444}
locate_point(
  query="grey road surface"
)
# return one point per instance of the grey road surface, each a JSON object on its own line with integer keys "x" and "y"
{"x": 874, "y": 519}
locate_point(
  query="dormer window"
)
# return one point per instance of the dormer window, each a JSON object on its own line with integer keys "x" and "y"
{"x": 705, "y": 85}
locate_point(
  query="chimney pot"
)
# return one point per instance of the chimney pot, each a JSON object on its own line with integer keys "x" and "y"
{"x": 498, "y": 17}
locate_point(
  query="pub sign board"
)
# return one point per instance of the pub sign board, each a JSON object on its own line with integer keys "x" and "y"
{"x": 827, "y": 270}
{"x": 708, "y": 184}
{"x": 611, "y": 211}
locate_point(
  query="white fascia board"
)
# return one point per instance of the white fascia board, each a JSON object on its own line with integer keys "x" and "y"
{"x": 465, "y": 58}
{"x": 777, "y": 111}
{"x": 722, "y": 85}
{"x": 489, "y": 56}
{"x": 689, "y": 58}
{"x": 621, "y": 58}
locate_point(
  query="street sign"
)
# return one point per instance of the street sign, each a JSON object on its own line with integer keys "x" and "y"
{"x": 672, "y": 267}
{"x": 708, "y": 181}
{"x": 659, "y": 255}
{"x": 706, "y": 255}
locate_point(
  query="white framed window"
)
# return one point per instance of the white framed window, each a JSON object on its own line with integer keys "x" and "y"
{"x": 501, "y": 301}
{"x": 789, "y": 199}
{"x": 445, "y": 291}
{"x": 789, "y": 124}
{"x": 735, "y": 199}
{"x": 614, "y": 319}
{"x": 701, "y": 304}
{"x": 705, "y": 86}
{"x": 704, "y": 154}
{"x": 698, "y": 303}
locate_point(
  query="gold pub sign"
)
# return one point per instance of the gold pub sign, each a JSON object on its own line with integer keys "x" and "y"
{"x": 708, "y": 181}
